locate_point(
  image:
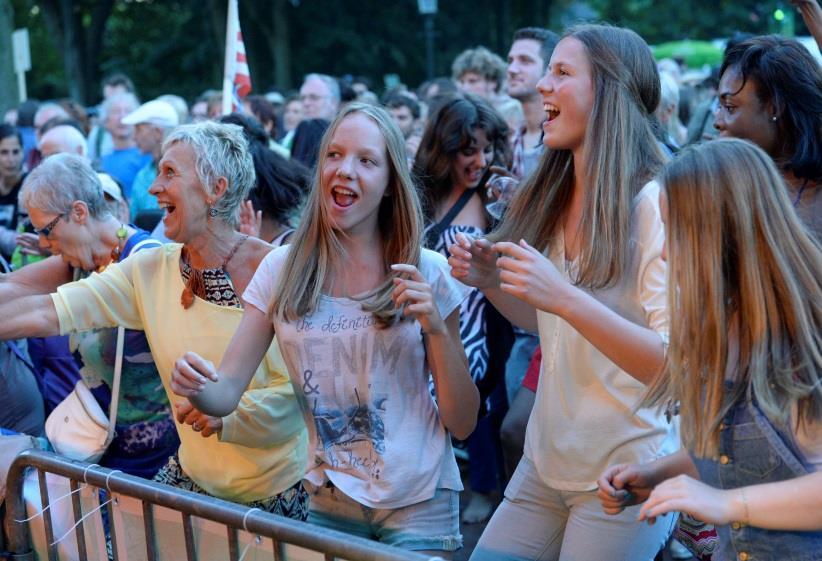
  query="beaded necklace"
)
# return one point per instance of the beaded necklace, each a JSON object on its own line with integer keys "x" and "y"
{"x": 195, "y": 285}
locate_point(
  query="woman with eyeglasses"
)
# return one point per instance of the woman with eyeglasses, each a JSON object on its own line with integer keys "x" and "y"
{"x": 185, "y": 295}
{"x": 67, "y": 208}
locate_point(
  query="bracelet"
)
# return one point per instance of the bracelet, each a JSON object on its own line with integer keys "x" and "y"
{"x": 747, "y": 518}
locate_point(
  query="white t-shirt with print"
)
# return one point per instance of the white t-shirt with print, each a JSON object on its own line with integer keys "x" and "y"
{"x": 374, "y": 429}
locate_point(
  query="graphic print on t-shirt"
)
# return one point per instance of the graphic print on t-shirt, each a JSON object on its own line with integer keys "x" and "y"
{"x": 337, "y": 356}
{"x": 359, "y": 423}
{"x": 374, "y": 428}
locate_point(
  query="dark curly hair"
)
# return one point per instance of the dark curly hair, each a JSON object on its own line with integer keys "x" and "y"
{"x": 450, "y": 130}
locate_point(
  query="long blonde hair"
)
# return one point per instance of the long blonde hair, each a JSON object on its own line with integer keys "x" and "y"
{"x": 622, "y": 156}
{"x": 738, "y": 256}
{"x": 316, "y": 250}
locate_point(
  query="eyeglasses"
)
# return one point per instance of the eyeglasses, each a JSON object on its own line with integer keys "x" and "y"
{"x": 46, "y": 230}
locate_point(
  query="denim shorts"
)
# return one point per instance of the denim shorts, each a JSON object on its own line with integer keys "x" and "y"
{"x": 431, "y": 525}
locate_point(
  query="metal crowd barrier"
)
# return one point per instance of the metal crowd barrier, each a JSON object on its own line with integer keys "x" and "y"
{"x": 290, "y": 539}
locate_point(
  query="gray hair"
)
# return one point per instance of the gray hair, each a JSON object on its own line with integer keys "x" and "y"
{"x": 59, "y": 181}
{"x": 179, "y": 105}
{"x": 669, "y": 92}
{"x": 68, "y": 139}
{"x": 330, "y": 83}
{"x": 221, "y": 150}
{"x": 129, "y": 97}
{"x": 51, "y": 107}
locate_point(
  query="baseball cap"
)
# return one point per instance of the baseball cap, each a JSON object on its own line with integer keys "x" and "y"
{"x": 110, "y": 187}
{"x": 154, "y": 112}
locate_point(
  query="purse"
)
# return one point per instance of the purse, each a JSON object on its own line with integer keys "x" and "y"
{"x": 78, "y": 428}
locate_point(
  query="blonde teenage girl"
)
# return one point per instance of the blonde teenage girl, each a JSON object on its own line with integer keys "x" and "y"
{"x": 362, "y": 316}
{"x": 745, "y": 361}
{"x": 578, "y": 256}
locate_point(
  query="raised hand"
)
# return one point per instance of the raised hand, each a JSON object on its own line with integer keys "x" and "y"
{"x": 30, "y": 244}
{"x": 190, "y": 373}
{"x": 250, "y": 220}
{"x": 527, "y": 274}
{"x": 199, "y": 421}
{"x": 412, "y": 293}
{"x": 473, "y": 262}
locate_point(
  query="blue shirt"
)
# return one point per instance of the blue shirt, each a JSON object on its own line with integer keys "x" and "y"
{"x": 140, "y": 198}
{"x": 123, "y": 166}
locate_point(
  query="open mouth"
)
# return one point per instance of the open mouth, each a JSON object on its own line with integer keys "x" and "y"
{"x": 168, "y": 208}
{"x": 551, "y": 111}
{"x": 474, "y": 176}
{"x": 343, "y": 197}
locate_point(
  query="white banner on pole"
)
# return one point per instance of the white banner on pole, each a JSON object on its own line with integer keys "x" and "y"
{"x": 22, "y": 59}
{"x": 230, "y": 55}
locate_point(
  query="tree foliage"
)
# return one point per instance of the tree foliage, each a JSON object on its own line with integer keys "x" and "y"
{"x": 667, "y": 20}
{"x": 177, "y": 45}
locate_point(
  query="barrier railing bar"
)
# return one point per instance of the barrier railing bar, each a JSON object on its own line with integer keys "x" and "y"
{"x": 188, "y": 532}
{"x": 301, "y": 534}
{"x": 233, "y": 546}
{"x": 77, "y": 508}
{"x": 279, "y": 550}
{"x": 148, "y": 528}
{"x": 47, "y": 521}
{"x": 111, "y": 529}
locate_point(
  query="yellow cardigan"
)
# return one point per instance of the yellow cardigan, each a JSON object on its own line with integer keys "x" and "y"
{"x": 262, "y": 450}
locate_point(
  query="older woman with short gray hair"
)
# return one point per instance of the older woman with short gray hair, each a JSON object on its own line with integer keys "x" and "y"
{"x": 186, "y": 296}
{"x": 65, "y": 201}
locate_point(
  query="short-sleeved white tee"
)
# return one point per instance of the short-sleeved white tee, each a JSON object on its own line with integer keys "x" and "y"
{"x": 374, "y": 428}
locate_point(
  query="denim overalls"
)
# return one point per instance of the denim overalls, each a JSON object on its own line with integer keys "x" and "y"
{"x": 753, "y": 451}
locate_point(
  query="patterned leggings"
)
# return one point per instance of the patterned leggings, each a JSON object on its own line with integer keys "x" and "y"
{"x": 291, "y": 503}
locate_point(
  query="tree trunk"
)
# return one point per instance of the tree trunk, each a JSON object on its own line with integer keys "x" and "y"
{"x": 280, "y": 41}
{"x": 218, "y": 21}
{"x": 8, "y": 79}
{"x": 80, "y": 46}
{"x": 275, "y": 32}
{"x": 503, "y": 21}
{"x": 94, "y": 46}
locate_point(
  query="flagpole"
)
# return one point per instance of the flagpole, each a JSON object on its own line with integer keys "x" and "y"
{"x": 230, "y": 56}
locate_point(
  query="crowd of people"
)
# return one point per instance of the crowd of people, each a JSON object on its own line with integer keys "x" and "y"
{"x": 315, "y": 291}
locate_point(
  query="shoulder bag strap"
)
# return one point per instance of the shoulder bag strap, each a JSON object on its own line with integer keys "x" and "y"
{"x": 115, "y": 386}
{"x": 19, "y": 354}
{"x": 118, "y": 361}
{"x": 148, "y": 241}
{"x": 433, "y": 233}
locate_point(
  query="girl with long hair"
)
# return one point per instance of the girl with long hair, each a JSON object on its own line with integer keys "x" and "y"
{"x": 361, "y": 313}
{"x": 578, "y": 257}
{"x": 744, "y": 362}
{"x": 463, "y": 139}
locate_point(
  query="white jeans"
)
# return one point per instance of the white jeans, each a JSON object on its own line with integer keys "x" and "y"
{"x": 538, "y": 523}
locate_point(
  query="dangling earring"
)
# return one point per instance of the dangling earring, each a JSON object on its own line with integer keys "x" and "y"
{"x": 212, "y": 212}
